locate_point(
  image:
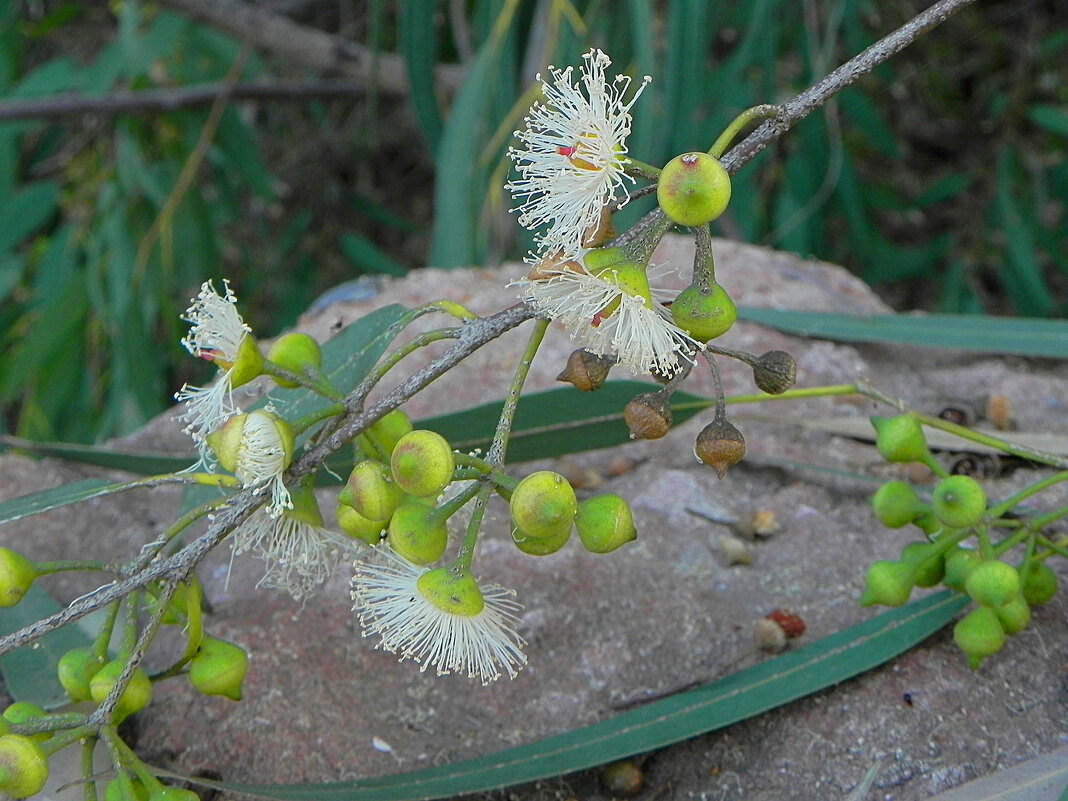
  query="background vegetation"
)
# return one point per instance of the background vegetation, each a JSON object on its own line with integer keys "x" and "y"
{"x": 941, "y": 179}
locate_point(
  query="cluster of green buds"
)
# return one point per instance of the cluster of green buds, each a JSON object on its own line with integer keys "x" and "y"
{"x": 958, "y": 511}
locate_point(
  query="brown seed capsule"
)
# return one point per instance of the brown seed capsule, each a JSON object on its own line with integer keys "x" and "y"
{"x": 791, "y": 623}
{"x": 648, "y": 415}
{"x": 720, "y": 445}
{"x": 586, "y": 371}
{"x": 775, "y": 372}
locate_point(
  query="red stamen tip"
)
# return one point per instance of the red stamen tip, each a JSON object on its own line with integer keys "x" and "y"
{"x": 566, "y": 151}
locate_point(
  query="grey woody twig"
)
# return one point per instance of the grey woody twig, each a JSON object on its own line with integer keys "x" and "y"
{"x": 473, "y": 335}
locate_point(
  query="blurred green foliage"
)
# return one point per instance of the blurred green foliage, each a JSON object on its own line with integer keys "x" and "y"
{"x": 942, "y": 178}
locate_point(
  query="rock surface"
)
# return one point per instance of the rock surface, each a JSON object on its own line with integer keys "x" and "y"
{"x": 321, "y": 704}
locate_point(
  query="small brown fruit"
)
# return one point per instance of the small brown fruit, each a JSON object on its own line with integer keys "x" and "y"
{"x": 586, "y": 371}
{"x": 720, "y": 445}
{"x": 775, "y": 372}
{"x": 648, "y": 415}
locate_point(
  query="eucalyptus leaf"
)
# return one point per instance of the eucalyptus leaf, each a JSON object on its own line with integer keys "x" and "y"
{"x": 713, "y": 706}
{"x": 29, "y": 671}
{"x": 75, "y": 492}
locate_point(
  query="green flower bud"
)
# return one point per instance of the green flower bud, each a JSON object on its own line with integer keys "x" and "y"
{"x": 694, "y": 189}
{"x": 359, "y": 527}
{"x": 371, "y": 491}
{"x": 416, "y": 533}
{"x": 1014, "y": 616}
{"x": 631, "y": 279}
{"x": 23, "y": 766}
{"x": 543, "y": 505}
{"x": 993, "y": 583}
{"x": 178, "y": 605}
{"x": 896, "y": 504}
{"x": 387, "y": 430}
{"x": 247, "y": 365}
{"x": 452, "y": 592}
{"x": 133, "y": 699}
{"x": 888, "y": 583}
{"x": 218, "y": 668}
{"x": 423, "y": 463}
{"x": 540, "y": 546}
{"x": 704, "y": 313}
{"x": 960, "y": 562}
{"x": 600, "y": 259}
{"x": 298, "y": 353}
{"x": 17, "y": 573}
{"x": 979, "y": 635}
{"x": 27, "y": 712}
{"x": 1038, "y": 583}
{"x": 76, "y": 669}
{"x": 253, "y": 445}
{"x": 900, "y": 439}
{"x": 959, "y": 502}
{"x": 604, "y": 523}
{"x": 125, "y": 788}
{"x": 225, "y": 442}
{"x": 927, "y": 560}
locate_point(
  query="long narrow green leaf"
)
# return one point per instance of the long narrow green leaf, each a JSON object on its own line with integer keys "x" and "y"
{"x": 38, "y": 502}
{"x": 554, "y": 422}
{"x": 419, "y": 45}
{"x": 1022, "y": 336}
{"x": 30, "y": 671}
{"x": 713, "y": 706}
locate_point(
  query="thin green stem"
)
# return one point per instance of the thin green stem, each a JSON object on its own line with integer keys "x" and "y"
{"x": 639, "y": 169}
{"x": 88, "y": 767}
{"x": 1011, "y": 542}
{"x": 302, "y": 424}
{"x": 70, "y": 564}
{"x": 420, "y": 341}
{"x": 934, "y": 465}
{"x": 1027, "y": 492}
{"x": 484, "y": 469}
{"x": 123, "y": 758}
{"x": 1056, "y": 547}
{"x": 765, "y": 111}
{"x": 314, "y": 379}
{"x": 1040, "y": 522}
{"x": 499, "y": 445}
{"x": 103, "y": 638}
{"x": 790, "y": 394}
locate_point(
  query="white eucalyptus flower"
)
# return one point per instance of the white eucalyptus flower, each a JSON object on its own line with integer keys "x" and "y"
{"x": 438, "y": 618}
{"x": 257, "y": 448}
{"x": 573, "y": 153}
{"x": 218, "y": 334}
{"x": 612, "y": 313}
{"x": 300, "y": 554}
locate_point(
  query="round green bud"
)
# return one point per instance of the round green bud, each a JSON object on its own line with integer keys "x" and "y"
{"x": 388, "y": 430}
{"x": 927, "y": 560}
{"x": 416, "y": 533}
{"x": 225, "y": 442}
{"x": 959, "y": 502}
{"x": 17, "y": 573}
{"x": 888, "y": 583}
{"x": 218, "y": 668}
{"x": 900, "y": 439}
{"x": 296, "y": 352}
{"x": 133, "y": 699}
{"x": 173, "y": 794}
{"x": 247, "y": 365}
{"x": 979, "y": 635}
{"x": 993, "y": 583}
{"x": 23, "y": 766}
{"x": 125, "y": 788}
{"x": 1014, "y": 616}
{"x": 76, "y": 669}
{"x": 631, "y": 279}
{"x": 1038, "y": 583}
{"x": 960, "y": 562}
{"x": 896, "y": 504}
{"x": 703, "y": 313}
{"x": 451, "y": 591}
{"x": 604, "y": 523}
{"x": 598, "y": 259}
{"x": 27, "y": 712}
{"x": 540, "y": 546}
{"x": 359, "y": 527}
{"x": 371, "y": 491}
{"x": 422, "y": 463}
{"x": 694, "y": 189}
{"x": 543, "y": 505}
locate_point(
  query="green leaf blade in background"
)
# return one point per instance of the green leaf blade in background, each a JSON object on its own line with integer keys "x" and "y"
{"x": 736, "y": 697}
{"x": 29, "y": 672}
{"x": 37, "y": 502}
{"x": 977, "y": 333}
{"x": 555, "y": 422}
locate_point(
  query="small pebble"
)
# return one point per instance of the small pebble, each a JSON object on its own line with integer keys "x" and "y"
{"x": 769, "y": 635}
